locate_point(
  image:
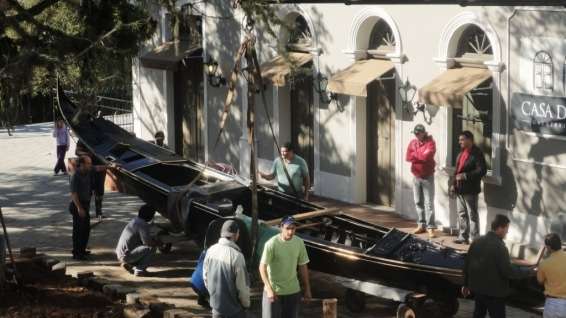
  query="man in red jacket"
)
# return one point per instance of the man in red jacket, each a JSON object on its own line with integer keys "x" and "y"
{"x": 420, "y": 154}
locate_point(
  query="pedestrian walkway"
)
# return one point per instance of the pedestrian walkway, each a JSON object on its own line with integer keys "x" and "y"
{"x": 35, "y": 204}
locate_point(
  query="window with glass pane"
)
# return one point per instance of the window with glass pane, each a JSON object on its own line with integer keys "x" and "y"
{"x": 543, "y": 71}
{"x": 476, "y": 116}
{"x": 474, "y": 42}
{"x": 381, "y": 38}
{"x": 300, "y": 33}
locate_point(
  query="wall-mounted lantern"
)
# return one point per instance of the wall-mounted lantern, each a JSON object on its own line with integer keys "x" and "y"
{"x": 407, "y": 93}
{"x": 214, "y": 77}
{"x": 320, "y": 85}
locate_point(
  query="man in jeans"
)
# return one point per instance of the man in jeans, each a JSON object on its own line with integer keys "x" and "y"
{"x": 470, "y": 169}
{"x": 420, "y": 153}
{"x": 136, "y": 247}
{"x": 552, "y": 274}
{"x": 282, "y": 255}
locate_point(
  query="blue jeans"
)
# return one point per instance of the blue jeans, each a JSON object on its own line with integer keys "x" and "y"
{"x": 554, "y": 308}
{"x": 286, "y": 306}
{"x": 423, "y": 191}
{"x": 140, "y": 257}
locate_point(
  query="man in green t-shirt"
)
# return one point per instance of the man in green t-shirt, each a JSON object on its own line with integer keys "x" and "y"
{"x": 281, "y": 256}
{"x": 298, "y": 172}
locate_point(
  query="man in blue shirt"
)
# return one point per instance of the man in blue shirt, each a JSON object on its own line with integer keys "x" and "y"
{"x": 297, "y": 169}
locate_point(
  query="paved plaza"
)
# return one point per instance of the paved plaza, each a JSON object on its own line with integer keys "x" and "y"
{"x": 34, "y": 203}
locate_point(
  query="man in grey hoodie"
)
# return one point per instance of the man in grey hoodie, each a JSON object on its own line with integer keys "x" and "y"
{"x": 225, "y": 275}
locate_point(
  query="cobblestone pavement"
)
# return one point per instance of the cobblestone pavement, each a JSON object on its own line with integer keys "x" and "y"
{"x": 34, "y": 203}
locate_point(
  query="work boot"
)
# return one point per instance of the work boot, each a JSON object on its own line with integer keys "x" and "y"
{"x": 419, "y": 230}
{"x": 98, "y": 206}
{"x": 140, "y": 272}
{"x": 464, "y": 241}
{"x": 431, "y": 233}
{"x": 127, "y": 267}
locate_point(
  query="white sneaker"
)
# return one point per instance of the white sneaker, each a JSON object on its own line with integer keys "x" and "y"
{"x": 140, "y": 272}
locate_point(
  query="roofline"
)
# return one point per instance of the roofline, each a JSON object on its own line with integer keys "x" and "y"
{"x": 463, "y": 3}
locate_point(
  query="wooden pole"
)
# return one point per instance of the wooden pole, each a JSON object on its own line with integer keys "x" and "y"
{"x": 329, "y": 308}
{"x": 251, "y": 141}
{"x": 8, "y": 245}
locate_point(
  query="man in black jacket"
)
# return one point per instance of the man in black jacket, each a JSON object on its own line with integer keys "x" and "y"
{"x": 470, "y": 169}
{"x": 488, "y": 269}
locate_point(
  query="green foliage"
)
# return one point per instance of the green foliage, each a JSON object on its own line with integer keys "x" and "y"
{"x": 88, "y": 43}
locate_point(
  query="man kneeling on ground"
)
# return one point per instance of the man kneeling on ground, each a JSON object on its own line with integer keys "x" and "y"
{"x": 136, "y": 247}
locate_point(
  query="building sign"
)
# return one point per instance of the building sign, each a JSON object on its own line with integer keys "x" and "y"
{"x": 540, "y": 114}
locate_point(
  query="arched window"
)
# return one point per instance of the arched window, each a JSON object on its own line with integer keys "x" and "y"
{"x": 474, "y": 43}
{"x": 381, "y": 40}
{"x": 474, "y": 48}
{"x": 543, "y": 71}
{"x": 300, "y": 36}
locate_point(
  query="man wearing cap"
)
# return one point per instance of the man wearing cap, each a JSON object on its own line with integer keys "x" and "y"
{"x": 225, "y": 275}
{"x": 281, "y": 256}
{"x": 136, "y": 247}
{"x": 420, "y": 153}
{"x": 552, "y": 274}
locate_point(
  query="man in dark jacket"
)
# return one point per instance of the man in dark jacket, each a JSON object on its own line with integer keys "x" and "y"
{"x": 487, "y": 270}
{"x": 470, "y": 169}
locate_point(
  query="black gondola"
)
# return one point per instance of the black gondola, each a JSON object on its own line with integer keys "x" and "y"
{"x": 337, "y": 244}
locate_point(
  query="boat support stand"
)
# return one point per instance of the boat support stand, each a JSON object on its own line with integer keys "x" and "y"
{"x": 411, "y": 304}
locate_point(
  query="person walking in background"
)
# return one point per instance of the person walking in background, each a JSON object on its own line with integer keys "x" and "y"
{"x": 225, "y": 275}
{"x": 552, "y": 274}
{"x": 136, "y": 248}
{"x": 297, "y": 169}
{"x": 282, "y": 255}
{"x": 61, "y": 135}
{"x": 98, "y": 191}
{"x": 159, "y": 139}
{"x": 98, "y": 180}
{"x": 466, "y": 185}
{"x": 420, "y": 153}
{"x": 488, "y": 269}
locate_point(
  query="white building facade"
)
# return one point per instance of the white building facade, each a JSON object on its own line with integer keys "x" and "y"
{"x": 497, "y": 71}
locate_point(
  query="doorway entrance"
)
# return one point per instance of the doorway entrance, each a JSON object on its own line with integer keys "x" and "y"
{"x": 302, "y": 120}
{"x": 189, "y": 101}
{"x": 381, "y": 141}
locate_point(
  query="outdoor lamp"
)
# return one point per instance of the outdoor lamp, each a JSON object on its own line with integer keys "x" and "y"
{"x": 320, "y": 85}
{"x": 214, "y": 79}
{"x": 407, "y": 93}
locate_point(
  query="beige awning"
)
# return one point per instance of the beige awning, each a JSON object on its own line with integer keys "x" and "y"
{"x": 354, "y": 79}
{"x": 169, "y": 55}
{"x": 450, "y": 87}
{"x": 276, "y": 69}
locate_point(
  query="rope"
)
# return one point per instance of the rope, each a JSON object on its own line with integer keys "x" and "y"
{"x": 264, "y": 100}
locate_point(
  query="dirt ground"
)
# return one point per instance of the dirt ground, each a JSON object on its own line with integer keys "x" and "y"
{"x": 56, "y": 298}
